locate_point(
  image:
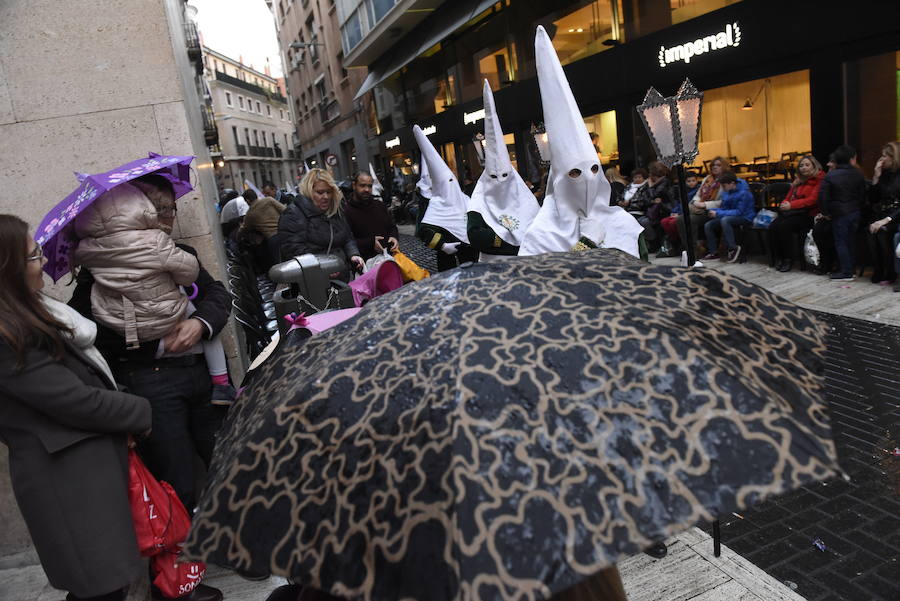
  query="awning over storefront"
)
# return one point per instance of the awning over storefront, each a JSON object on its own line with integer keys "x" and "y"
{"x": 445, "y": 20}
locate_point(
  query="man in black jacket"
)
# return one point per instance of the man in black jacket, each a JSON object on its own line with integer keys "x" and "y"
{"x": 840, "y": 198}
{"x": 372, "y": 225}
{"x": 177, "y": 384}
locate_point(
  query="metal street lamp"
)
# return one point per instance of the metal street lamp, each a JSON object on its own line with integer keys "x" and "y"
{"x": 542, "y": 142}
{"x": 479, "y": 143}
{"x": 673, "y": 124}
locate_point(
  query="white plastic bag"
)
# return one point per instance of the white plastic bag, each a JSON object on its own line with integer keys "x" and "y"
{"x": 810, "y": 250}
{"x": 764, "y": 218}
{"x": 378, "y": 260}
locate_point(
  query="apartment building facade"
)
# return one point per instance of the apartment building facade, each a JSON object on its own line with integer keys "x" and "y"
{"x": 331, "y": 124}
{"x": 256, "y": 135}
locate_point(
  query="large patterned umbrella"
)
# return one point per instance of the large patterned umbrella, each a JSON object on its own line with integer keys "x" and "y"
{"x": 506, "y": 430}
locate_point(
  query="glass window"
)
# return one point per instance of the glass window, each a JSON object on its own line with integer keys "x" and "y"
{"x": 241, "y": 102}
{"x": 756, "y": 122}
{"x": 258, "y": 108}
{"x": 648, "y": 16}
{"x": 604, "y": 136}
{"x": 872, "y": 88}
{"x": 581, "y": 32}
{"x": 268, "y": 110}
{"x": 377, "y": 9}
{"x": 351, "y": 32}
{"x": 228, "y": 99}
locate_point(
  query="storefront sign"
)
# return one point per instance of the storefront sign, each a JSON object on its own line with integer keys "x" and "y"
{"x": 473, "y": 117}
{"x": 431, "y": 129}
{"x": 730, "y": 36}
{"x": 392, "y": 143}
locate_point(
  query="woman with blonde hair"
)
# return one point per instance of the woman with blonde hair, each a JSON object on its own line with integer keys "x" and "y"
{"x": 885, "y": 201}
{"x": 797, "y": 212}
{"x": 314, "y": 223}
{"x": 617, "y": 185}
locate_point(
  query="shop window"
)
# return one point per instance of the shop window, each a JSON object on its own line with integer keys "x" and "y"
{"x": 604, "y": 136}
{"x": 757, "y": 122}
{"x": 448, "y": 151}
{"x": 872, "y": 89}
{"x": 582, "y": 31}
{"x": 497, "y": 67}
{"x": 643, "y": 17}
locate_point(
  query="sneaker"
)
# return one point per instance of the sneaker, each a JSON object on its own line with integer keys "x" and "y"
{"x": 222, "y": 396}
{"x": 734, "y": 254}
{"x": 841, "y": 276}
{"x": 709, "y": 257}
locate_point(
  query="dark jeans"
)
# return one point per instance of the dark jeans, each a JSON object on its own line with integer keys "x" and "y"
{"x": 697, "y": 223}
{"x": 824, "y": 237}
{"x": 881, "y": 248}
{"x": 782, "y": 230}
{"x": 184, "y": 421}
{"x": 113, "y": 596}
{"x": 844, "y": 229}
{"x": 726, "y": 225}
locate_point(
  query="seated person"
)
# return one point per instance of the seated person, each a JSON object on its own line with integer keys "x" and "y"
{"x": 370, "y": 221}
{"x": 652, "y": 203}
{"x": 672, "y": 243}
{"x": 737, "y": 210}
{"x": 707, "y": 197}
{"x": 314, "y": 223}
{"x": 259, "y": 230}
{"x": 885, "y": 202}
{"x": 638, "y": 182}
{"x": 797, "y": 211}
{"x": 234, "y": 210}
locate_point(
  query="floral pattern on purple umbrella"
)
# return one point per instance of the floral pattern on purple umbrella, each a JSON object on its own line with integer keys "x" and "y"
{"x": 53, "y": 232}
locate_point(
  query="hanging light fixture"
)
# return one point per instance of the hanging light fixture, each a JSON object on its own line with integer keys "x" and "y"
{"x": 748, "y": 105}
{"x": 673, "y": 125}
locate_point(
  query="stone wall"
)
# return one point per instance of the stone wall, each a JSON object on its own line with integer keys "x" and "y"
{"x": 86, "y": 86}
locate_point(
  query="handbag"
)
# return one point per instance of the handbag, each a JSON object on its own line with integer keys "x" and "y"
{"x": 176, "y": 578}
{"x": 810, "y": 250}
{"x": 410, "y": 271}
{"x": 160, "y": 520}
{"x": 764, "y": 218}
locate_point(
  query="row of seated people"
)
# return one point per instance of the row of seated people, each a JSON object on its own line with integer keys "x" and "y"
{"x": 839, "y": 207}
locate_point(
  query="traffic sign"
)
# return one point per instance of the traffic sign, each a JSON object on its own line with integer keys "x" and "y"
{"x": 331, "y": 160}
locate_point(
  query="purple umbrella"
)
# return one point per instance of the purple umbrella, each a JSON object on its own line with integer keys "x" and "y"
{"x": 57, "y": 239}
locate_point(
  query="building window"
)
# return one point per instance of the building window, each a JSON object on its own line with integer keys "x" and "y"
{"x": 351, "y": 32}
{"x": 377, "y": 9}
{"x": 228, "y": 99}
{"x": 241, "y": 102}
{"x": 258, "y": 108}
{"x": 234, "y": 132}
{"x": 340, "y": 62}
{"x": 320, "y": 88}
{"x": 281, "y": 114}
{"x": 247, "y": 136}
{"x": 268, "y": 110}
{"x": 256, "y": 137}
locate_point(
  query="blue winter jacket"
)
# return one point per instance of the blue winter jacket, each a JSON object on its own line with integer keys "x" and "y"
{"x": 737, "y": 203}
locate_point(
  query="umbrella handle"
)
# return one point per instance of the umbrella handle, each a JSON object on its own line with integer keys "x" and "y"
{"x": 194, "y": 292}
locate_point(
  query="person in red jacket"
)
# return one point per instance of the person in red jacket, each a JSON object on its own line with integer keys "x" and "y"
{"x": 797, "y": 211}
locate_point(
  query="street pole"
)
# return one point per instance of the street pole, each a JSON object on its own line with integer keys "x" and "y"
{"x": 686, "y": 216}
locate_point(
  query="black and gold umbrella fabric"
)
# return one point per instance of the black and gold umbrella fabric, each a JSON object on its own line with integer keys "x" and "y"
{"x": 503, "y": 431}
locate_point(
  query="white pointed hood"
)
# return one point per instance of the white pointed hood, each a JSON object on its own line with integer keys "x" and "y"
{"x": 501, "y": 197}
{"x": 377, "y": 188}
{"x": 447, "y": 204}
{"x": 577, "y": 200}
{"x": 424, "y": 183}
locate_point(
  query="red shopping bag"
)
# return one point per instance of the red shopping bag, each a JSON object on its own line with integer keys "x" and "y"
{"x": 160, "y": 520}
{"x": 174, "y": 578}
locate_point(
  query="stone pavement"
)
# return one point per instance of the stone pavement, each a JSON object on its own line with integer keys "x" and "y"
{"x": 689, "y": 572}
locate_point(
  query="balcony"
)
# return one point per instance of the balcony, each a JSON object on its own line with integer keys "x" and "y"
{"x": 210, "y": 131}
{"x": 398, "y": 22}
{"x": 241, "y": 150}
{"x": 329, "y": 110}
{"x": 277, "y": 153}
{"x": 240, "y": 83}
{"x": 292, "y": 154}
{"x": 192, "y": 41}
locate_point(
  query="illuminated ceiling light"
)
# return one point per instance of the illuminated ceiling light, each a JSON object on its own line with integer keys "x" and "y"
{"x": 580, "y": 30}
{"x": 572, "y": 30}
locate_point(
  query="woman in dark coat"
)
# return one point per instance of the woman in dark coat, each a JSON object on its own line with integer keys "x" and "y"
{"x": 66, "y": 427}
{"x": 885, "y": 202}
{"x": 314, "y": 224}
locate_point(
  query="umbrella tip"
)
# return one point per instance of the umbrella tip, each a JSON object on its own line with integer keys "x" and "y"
{"x": 80, "y": 176}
